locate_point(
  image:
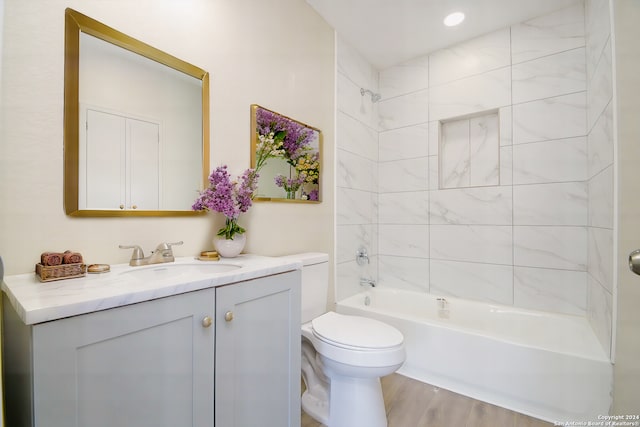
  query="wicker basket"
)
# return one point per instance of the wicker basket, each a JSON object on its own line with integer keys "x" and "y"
{"x": 58, "y": 272}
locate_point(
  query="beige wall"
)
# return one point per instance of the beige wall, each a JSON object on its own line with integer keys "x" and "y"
{"x": 279, "y": 54}
{"x": 626, "y": 15}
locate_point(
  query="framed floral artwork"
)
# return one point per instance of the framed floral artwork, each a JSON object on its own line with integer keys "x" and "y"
{"x": 287, "y": 154}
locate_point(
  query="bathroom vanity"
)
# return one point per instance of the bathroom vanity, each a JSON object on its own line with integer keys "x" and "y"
{"x": 179, "y": 344}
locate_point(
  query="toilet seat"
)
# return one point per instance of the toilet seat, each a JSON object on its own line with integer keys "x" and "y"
{"x": 390, "y": 349}
{"x": 356, "y": 332}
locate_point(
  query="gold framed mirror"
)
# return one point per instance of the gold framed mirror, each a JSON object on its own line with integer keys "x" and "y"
{"x": 136, "y": 125}
{"x": 287, "y": 154}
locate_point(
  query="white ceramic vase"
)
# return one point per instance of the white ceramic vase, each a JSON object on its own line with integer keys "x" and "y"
{"x": 230, "y": 248}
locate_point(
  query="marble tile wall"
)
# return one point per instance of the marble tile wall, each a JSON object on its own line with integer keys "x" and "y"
{"x": 600, "y": 180}
{"x": 356, "y": 169}
{"x": 540, "y": 236}
{"x": 517, "y": 231}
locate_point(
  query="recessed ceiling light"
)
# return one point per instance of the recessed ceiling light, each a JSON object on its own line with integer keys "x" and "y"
{"x": 454, "y": 19}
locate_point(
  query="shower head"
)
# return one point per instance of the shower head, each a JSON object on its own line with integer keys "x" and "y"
{"x": 375, "y": 97}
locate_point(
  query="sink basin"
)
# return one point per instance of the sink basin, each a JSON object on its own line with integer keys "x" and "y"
{"x": 163, "y": 271}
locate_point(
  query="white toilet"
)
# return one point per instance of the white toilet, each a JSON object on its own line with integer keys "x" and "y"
{"x": 343, "y": 357}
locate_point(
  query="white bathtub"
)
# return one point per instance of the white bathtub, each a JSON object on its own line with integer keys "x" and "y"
{"x": 546, "y": 365}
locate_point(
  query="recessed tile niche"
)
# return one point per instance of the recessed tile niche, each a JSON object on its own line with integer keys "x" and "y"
{"x": 470, "y": 151}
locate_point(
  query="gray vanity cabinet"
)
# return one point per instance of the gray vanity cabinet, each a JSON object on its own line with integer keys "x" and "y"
{"x": 146, "y": 364}
{"x": 173, "y": 361}
{"x": 258, "y": 352}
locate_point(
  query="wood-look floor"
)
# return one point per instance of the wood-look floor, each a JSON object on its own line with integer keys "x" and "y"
{"x": 411, "y": 403}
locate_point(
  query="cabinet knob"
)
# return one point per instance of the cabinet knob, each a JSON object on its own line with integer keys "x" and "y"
{"x": 206, "y": 322}
{"x": 121, "y": 206}
{"x": 134, "y": 206}
{"x": 228, "y": 316}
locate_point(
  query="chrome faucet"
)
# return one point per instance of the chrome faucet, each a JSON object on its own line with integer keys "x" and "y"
{"x": 367, "y": 282}
{"x": 162, "y": 254}
{"x": 362, "y": 257}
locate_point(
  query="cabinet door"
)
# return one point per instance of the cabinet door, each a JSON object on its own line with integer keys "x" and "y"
{"x": 147, "y": 364}
{"x": 258, "y": 352}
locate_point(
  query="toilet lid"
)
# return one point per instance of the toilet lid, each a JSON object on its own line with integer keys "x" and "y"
{"x": 355, "y": 331}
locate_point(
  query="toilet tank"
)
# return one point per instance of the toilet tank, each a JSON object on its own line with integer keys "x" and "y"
{"x": 315, "y": 283}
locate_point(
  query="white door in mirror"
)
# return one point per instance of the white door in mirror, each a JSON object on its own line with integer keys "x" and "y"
{"x": 123, "y": 162}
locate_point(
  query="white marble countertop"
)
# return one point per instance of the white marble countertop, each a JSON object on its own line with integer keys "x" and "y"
{"x": 37, "y": 302}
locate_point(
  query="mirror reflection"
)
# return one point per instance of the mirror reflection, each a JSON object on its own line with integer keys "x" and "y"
{"x": 136, "y": 125}
{"x": 288, "y": 155}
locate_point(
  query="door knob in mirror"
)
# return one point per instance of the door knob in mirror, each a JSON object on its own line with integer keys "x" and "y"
{"x": 634, "y": 261}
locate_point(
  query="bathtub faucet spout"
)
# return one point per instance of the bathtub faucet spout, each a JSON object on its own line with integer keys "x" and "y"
{"x": 367, "y": 282}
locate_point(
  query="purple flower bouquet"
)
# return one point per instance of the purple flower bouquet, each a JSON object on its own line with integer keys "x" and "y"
{"x": 230, "y": 198}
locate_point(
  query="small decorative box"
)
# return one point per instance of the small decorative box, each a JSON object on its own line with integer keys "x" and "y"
{"x": 49, "y": 273}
